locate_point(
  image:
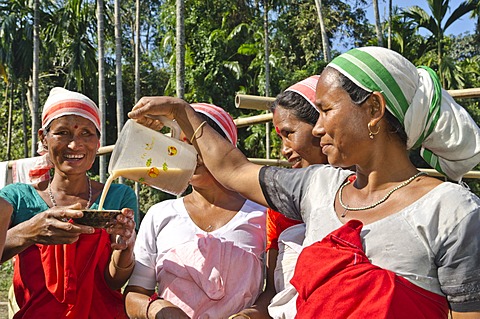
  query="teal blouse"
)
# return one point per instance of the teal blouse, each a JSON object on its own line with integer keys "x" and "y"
{"x": 27, "y": 202}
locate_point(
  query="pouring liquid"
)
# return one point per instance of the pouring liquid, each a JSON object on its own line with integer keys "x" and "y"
{"x": 153, "y": 176}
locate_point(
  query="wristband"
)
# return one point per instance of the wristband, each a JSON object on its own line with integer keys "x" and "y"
{"x": 242, "y": 315}
{"x": 152, "y": 298}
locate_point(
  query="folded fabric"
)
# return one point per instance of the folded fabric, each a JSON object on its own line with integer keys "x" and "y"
{"x": 210, "y": 278}
{"x": 335, "y": 279}
{"x": 3, "y": 174}
{"x": 283, "y": 304}
{"x": 31, "y": 170}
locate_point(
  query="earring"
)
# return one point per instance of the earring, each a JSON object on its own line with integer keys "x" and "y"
{"x": 370, "y": 133}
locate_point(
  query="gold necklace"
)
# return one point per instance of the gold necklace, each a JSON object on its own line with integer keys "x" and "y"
{"x": 347, "y": 208}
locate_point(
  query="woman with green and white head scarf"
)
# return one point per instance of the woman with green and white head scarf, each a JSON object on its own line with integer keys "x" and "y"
{"x": 385, "y": 240}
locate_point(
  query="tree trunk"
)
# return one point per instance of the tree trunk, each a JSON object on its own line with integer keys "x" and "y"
{"x": 118, "y": 64}
{"x": 118, "y": 76}
{"x": 378, "y": 24}
{"x": 267, "y": 75}
{"x": 9, "y": 124}
{"x": 137, "y": 76}
{"x": 137, "y": 51}
{"x": 180, "y": 49}
{"x": 325, "y": 44}
{"x": 35, "y": 73}
{"x": 389, "y": 24}
{"x": 101, "y": 86}
{"x": 24, "y": 123}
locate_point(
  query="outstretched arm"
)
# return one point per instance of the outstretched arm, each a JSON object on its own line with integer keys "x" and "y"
{"x": 228, "y": 164}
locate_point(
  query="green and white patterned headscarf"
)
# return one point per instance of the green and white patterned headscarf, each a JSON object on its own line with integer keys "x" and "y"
{"x": 448, "y": 136}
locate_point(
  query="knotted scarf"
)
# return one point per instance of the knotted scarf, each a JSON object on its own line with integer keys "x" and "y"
{"x": 449, "y": 138}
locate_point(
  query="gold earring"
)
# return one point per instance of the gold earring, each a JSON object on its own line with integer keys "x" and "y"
{"x": 370, "y": 133}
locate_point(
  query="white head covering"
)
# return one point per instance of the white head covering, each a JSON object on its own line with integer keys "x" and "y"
{"x": 63, "y": 102}
{"x": 448, "y": 136}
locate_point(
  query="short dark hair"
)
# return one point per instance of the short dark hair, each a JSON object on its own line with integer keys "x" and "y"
{"x": 301, "y": 108}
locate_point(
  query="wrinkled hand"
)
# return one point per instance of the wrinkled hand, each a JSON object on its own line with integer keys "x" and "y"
{"x": 164, "y": 309}
{"x": 149, "y": 108}
{"x": 123, "y": 230}
{"x": 53, "y": 226}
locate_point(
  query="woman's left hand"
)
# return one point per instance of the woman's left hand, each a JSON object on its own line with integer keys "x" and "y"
{"x": 123, "y": 231}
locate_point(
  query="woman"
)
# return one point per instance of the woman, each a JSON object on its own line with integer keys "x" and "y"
{"x": 420, "y": 234}
{"x": 4, "y": 222}
{"x": 64, "y": 269}
{"x": 294, "y": 115}
{"x": 202, "y": 252}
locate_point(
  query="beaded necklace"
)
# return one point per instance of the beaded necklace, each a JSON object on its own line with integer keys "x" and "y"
{"x": 54, "y": 202}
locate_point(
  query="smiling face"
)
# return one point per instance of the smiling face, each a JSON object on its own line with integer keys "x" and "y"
{"x": 72, "y": 143}
{"x": 342, "y": 125}
{"x": 299, "y": 146}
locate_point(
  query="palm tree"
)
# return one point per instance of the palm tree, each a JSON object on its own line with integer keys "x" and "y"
{"x": 118, "y": 64}
{"x": 180, "y": 48}
{"x": 101, "y": 85}
{"x": 35, "y": 73}
{"x": 378, "y": 24}
{"x": 325, "y": 42}
{"x": 434, "y": 24}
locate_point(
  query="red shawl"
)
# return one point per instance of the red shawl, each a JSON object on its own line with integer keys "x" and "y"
{"x": 335, "y": 279}
{"x": 67, "y": 281}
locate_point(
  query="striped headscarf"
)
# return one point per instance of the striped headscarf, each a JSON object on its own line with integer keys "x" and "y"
{"x": 63, "y": 102}
{"x": 448, "y": 136}
{"x": 306, "y": 88}
{"x": 220, "y": 117}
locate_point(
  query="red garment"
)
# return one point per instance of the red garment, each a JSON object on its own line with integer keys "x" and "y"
{"x": 335, "y": 279}
{"x": 67, "y": 281}
{"x": 276, "y": 224}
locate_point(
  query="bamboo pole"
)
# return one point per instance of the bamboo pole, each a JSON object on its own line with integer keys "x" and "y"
{"x": 251, "y": 120}
{"x": 104, "y": 150}
{"x": 253, "y": 102}
{"x": 465, "y": 93}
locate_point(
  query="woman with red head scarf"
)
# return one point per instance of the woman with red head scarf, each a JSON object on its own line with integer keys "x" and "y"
{"x": 64, "y": 269}
{"x": 199, "y": 256}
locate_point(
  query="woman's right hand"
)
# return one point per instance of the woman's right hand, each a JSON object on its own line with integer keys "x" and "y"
{"x": 53, "y": 226}
{"x": 148, "y": 110}
{"x": 164, "y": 309}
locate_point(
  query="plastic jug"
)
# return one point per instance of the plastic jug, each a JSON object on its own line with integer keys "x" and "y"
{"x": 150, "y": 157}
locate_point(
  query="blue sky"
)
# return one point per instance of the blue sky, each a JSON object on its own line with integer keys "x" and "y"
{"x": 463, "y": 25}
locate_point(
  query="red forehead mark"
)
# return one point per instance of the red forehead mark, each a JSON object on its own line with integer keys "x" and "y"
{"x": 76, "y": 126}
{"x": 277, "y": 130}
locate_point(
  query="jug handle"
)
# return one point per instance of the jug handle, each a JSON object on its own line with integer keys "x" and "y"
{"x": 171, "y": 124}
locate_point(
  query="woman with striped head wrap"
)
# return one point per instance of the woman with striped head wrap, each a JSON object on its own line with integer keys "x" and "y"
{"x": 64, "y": 269}
{"x": 202, "y": 253}
{"x": 386, "y": 241}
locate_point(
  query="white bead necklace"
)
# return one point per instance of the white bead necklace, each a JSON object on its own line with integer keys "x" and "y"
{"x": 54, "y": 202}
{"x": 347, "y": 208}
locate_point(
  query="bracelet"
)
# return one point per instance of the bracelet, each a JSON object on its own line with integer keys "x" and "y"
{"x": 238, "y": 315}
{"x": 129, "y": 267}
{"x": 196, "y": 131}
{"x": 152, "y": 298}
